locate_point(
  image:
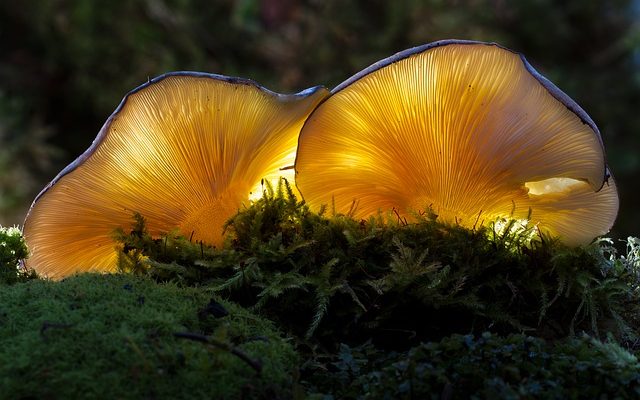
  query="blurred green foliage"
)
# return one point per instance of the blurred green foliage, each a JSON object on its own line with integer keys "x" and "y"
{"x": 65, "y": 65}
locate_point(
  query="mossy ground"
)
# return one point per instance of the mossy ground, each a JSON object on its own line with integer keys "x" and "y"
{"x": 114, "y": 336}
{"x": 331, "y": 306}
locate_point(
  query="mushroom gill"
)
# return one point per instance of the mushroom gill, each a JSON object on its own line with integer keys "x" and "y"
{"x": 469, "y": 129}
{"x": 185, "y": 150}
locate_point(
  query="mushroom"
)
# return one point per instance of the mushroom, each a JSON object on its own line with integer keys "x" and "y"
{"x": 468, "y": 129}
{"x": 185, "y": 150}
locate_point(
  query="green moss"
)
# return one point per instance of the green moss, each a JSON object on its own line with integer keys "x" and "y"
{"x": 13, "y": 249}
{"x": 335, "y": 279}
{"x": 486, "y": 367}
{"x": 332, "y": 283}
{"x": 113, "y": 336}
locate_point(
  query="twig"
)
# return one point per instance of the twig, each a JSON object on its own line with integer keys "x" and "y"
{"x": 196, "y": 337}
{"x": 402, "y": 221}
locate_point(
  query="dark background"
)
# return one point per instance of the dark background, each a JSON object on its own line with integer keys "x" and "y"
{"x": 66, "y": 64}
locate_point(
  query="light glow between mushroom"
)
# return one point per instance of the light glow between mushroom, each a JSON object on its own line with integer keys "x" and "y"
{"x": 552, "y": 185}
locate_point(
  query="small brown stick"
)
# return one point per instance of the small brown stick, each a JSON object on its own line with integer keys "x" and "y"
{"x": 196, "y": 337}
{"x": 402, "y": 221}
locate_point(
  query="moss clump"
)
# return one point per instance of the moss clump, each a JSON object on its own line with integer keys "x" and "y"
{"x": 336, "y": 279}
{"x": 484, "y": 366}
{"x": 117, "y": 336}
{"x": 13, "y": 249}
{"x": 332, "y": 283}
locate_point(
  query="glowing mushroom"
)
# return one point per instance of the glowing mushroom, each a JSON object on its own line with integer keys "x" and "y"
{"x": 185, "y": 150}
{"x": 469, "y": 129}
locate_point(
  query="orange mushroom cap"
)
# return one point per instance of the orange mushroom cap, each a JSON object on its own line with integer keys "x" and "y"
{"x": 469, "y": 129}
{"x": 185, "y": 150}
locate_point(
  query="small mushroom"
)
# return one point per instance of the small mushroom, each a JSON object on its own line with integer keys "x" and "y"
{"x": 469, "y": 129}
{"x": 185, "y": 150}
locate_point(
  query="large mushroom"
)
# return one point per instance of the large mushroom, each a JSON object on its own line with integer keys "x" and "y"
{"x": 469, "y": 129}
{"x": 185, "y": 150}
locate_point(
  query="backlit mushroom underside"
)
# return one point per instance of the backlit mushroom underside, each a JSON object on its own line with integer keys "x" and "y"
{"x": 185, "y": 150}
{"x": 469, "y": 129}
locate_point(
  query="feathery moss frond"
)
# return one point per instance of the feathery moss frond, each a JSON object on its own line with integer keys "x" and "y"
{"x": 396, "y": 282}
